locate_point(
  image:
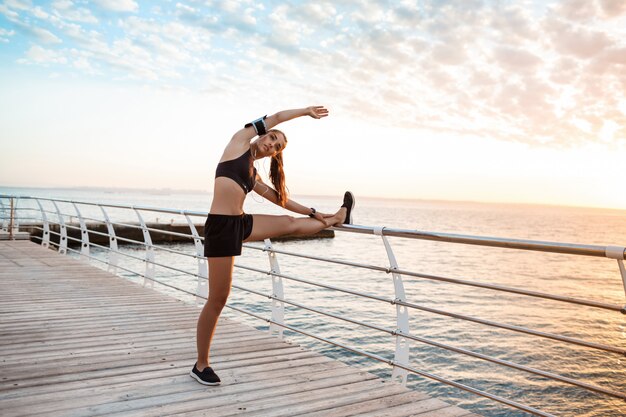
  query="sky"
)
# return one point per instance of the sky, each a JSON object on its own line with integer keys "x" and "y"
{"x": 473, "y": 100}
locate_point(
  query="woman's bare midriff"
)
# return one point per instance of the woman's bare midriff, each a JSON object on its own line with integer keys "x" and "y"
{"x": 228, "y": 197}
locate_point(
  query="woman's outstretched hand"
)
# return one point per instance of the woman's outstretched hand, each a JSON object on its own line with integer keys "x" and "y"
{"x": 317, "y": 112}
{"x": 322, "y": 217}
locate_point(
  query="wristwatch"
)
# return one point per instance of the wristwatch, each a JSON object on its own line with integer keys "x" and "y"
{"x": 313, "y": 211}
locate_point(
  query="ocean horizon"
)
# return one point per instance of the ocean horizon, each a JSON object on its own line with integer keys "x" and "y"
{"x": 178, "y": 191}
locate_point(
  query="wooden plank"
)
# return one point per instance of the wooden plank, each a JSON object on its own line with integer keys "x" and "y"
{"x": 259, "y": 395}
{"x": 98, "y": 345}
{"x": 154, "y": 386}
{"x": 451, "y": 411}
{"x": 326, "y": 405}
{"x": 20, "y": 327}
{"x": 310, "y": 393}
{"x": 81, "y": 366}
{"x": 373, "y": 402}
{"x": 235, "y": 373}
{"x": 162, "y": 347}
{"x": 433, "y": 405}
{"x": 85, "y": 342}
{"x": 88, "y": 311}
{"x": 130, "y": 367}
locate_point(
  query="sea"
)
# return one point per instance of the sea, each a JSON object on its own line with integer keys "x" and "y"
{"x": 585, "y": 277}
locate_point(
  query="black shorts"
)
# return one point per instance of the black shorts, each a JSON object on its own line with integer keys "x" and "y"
{"x": 224, "y": 234}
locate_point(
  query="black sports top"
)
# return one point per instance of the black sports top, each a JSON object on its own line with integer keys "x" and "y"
{"x": 241, "y": 170}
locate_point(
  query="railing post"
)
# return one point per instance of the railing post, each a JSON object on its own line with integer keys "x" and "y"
{"x": 5, "y": 218}
{"x": 113, "y": 255}
{"x": 617, "y": 252}
{"x": 202, "y": 289}
{"x": 45, "y": 236}
{"x": 84, "y": 234}
{"x": 402, "y": 314}
{"x": 16, "y": 220}
{"x": 278, "y": 307}
{"x": 149, "y": 260}
{"x": 62, "y": 230}
{"x": 14, "y": 226}
{"x": 11, "y": 216}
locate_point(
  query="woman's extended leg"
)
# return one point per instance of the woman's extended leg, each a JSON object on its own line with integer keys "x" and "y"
{"x": 266, "y": 226}
{"x": 220, "y": 279}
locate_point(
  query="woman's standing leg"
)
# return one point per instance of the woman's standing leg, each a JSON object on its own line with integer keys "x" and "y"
{"x": 220, "y": 279}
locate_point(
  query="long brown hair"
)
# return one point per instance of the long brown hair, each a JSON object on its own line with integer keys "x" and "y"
{"x": 277, "y": 174}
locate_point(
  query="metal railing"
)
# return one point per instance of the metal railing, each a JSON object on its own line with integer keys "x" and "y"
{"x": 400, "y": 363}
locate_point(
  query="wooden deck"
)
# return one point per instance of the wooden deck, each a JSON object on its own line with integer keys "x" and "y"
{"x": 78, "y": 341}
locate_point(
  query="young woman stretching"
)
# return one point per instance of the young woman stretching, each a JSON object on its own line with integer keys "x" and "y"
{"x": 227, "y": 227}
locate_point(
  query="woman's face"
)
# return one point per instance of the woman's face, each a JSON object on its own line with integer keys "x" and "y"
{"x": 269, "y": 144}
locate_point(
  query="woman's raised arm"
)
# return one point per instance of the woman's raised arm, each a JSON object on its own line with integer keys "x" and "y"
{"x": 250, "y": 131}
{"x": 316, "y": 112}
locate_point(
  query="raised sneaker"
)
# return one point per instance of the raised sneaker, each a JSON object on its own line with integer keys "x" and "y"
{"x": 348, "y": 203}
{"x": 206, "y": 377}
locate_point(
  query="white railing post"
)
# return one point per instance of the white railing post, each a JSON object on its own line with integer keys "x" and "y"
{"x": 45, "y": 235}
{"x": 5, "y": 217}
{"x": 402, "y": 314}
{"x": 14, "y": 226}
{"x": 84, "y": 235}
{"x": 278, "y": 307}
{"x": 62, "y": 230}
{"x": 149, "y": 259}
{"x": 113, "y": 255}
{"x": 617, "y": 253}
{"x": 622, "y": 271}
{"x": 202, "y": 289}
{"x": 11, "y": 219}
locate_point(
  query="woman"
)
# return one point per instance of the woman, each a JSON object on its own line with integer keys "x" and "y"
{"x": 227, "y": 227}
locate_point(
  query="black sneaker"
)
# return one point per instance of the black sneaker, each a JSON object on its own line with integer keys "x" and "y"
{"x": 206, "y": 377}
{"x": 348, "y": 203}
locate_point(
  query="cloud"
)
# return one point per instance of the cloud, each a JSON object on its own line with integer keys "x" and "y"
{"x": 118, "y": 5}
{"x": 10, "y": 14}
{"x": 516, "y": 59}
{"x": 587, "y": 10}
{"x": 614, "y": 56}
{"x": 24, "y": 25}
{"x": 581, "y": 43}
{"x": 66, "y": 10}
{"x": 44, "y": 35}
{"x": 39, "y": 13}
{"x": 564, "y": 69}
{"x": 83, "y": 64}
{"x": 449, "y": 54}
{"x": 515, "y": 25}
{"x": 576, "y": 10}
{"x": 222, "y": 17}
{"x": 36, "y": 32}
{"x": 5, "y": 35}
{"x": 613, "y": 8}
{"x": 18, "y": 4}
{"x": 62, "y": 4}
{"x": 38, "y": 55}
{"x": 172, "y": 44}
{"x": 286, "y": 33}
{"x": 318, "y": 14}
